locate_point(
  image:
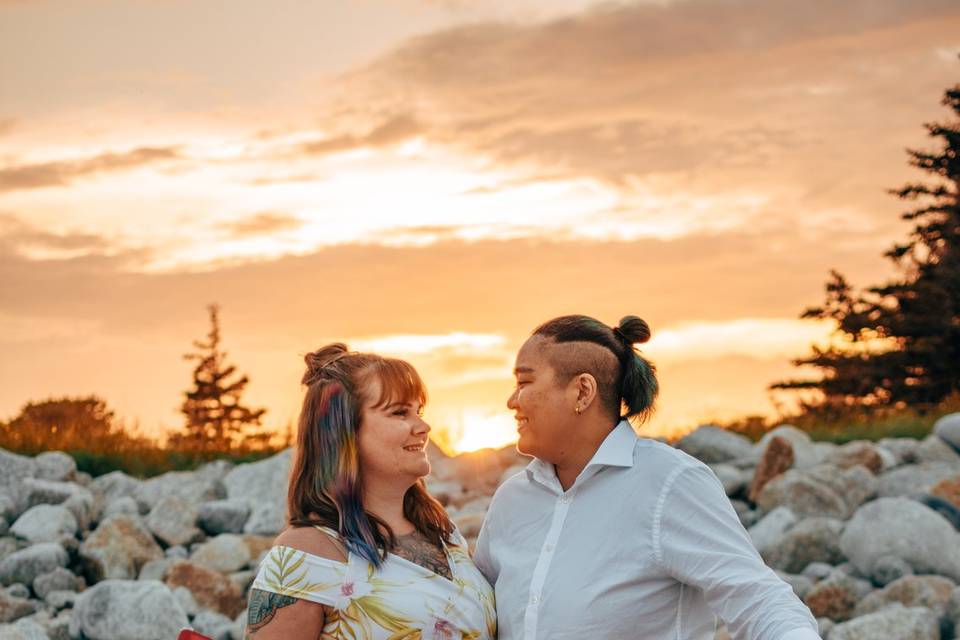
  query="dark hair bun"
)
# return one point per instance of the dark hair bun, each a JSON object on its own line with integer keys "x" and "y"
{"x": 317, "y": 360}
{"x": 633, "y": 329}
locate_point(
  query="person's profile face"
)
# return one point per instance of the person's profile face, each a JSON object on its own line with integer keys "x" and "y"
{"x": 538, "y": 402}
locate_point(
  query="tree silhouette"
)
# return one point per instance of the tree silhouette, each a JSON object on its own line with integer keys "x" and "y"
{"x": 215, "y": 417}
{"x": 898, "y": 344}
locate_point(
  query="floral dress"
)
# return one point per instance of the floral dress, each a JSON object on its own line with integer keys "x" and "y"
{"x": 400, "y": 601}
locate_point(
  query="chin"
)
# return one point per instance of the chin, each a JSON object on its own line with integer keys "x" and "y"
{"x": 525, "y": 447}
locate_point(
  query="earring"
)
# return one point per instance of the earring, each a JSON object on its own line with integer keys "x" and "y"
{"x": 577, "y": 409}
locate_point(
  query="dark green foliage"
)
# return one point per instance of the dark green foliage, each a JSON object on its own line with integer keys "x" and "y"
{"x": 900, "y": 342}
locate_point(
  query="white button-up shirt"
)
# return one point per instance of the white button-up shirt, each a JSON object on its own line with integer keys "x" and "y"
{"x": 644, "y": 544}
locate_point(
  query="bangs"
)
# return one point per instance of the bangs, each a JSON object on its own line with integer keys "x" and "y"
{"x": 399, "y": 382}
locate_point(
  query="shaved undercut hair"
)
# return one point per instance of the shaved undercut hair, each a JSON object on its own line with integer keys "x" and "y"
{"x": 626, "y": 381}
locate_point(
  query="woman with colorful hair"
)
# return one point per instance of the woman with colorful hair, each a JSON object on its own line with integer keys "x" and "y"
{"x": 368, "y": 552}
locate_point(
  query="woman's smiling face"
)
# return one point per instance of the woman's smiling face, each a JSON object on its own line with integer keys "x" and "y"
{"x": 392, "y": 438}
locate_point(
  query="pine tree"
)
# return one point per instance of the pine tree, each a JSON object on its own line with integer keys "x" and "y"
{"x": 899, "y": 343}
{"x": 215, "y": 417}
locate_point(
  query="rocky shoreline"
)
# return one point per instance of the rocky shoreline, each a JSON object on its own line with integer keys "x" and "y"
{"x": 868, "y": 534}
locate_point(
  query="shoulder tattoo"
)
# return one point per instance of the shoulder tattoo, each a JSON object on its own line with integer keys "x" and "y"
{"x": 262, "y": 607}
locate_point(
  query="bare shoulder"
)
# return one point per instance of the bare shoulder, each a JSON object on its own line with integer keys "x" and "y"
{"x": 313, "y": 541}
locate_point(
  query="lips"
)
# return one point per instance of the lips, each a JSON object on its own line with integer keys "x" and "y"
{"x": 414, "y": 448}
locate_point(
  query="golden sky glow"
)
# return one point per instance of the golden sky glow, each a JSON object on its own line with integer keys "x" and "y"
{"x": 434, "y": 178}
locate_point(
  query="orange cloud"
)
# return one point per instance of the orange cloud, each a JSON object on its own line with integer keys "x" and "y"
{"x": 63, "y": 172}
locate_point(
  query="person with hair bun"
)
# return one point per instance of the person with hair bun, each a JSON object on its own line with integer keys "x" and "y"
{"x": 368, "y": 553}
{"x": 607, "y": 535}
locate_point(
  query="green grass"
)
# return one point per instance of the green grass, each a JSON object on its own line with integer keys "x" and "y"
{"x": 852, "y": 425}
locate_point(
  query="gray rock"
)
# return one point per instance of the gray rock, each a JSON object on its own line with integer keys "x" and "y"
{"x": 214, "y": 625}
{"x": 834, "y": 597}
{"x": 915, "y": 478}
{"x": 78, "y": 499}
{"x": 26, "y": 564}
{"x": 172, "y": 521}
{"x": 243, "y": 579}
{"x": 448, "y": 492}
{"x": 710, "y": 444}
{"x": 810, "y": 540}
{"x": 936, "y": 449}
{"x": 8, "y": 509}
{"x": 771, "y": 528}
{"x": 888, "y": 458}
{"x": 952, "y": 610}
{"x": 947, "y": 428}
{"x": 193, "y": 487}
{"x": 932, "y": 592}
{"x": 23, "y": 629}
{"x": 893, "y": 623}
{"x": 55, "y": 465}
{"x": 8, "y": 545}
{"x": 805, "y": 453}
{"x": 225, "y": 553}
{"x": 942, "y": 506}
{"x": 155, "y": 569}
{"x": 45, "y": 523}
{"x": 61, "y": 599}
{"x": 823, "y": 490}
{"x": 13, "y": 608}
{"x": 4, "y": 528}
{"x": 59, "y": 579}
{"x": 801, "y": 585}
{"x": 904, "y": 528}
{"x": 239, "y": 627}
{"x": 119, "y": 546}
{"x": 903, "y": 449}
{"x": 732, "y": 478}
{"x": 123, "y": 504}
{"x": 13, "y": 469}
{"x": 178, "y": 552}
{"x": 817, "y": 571}
{"x": 263, "y": 486}
{"x": 824, "y": 626}
{"x": 114, "y": 485}
{"x": 887, "y": 569}
{"x": 127, "y": 610}
{"x": 185, "y": 597}
{"x": 19, "y": 590}
{"x": 223, "y": 516}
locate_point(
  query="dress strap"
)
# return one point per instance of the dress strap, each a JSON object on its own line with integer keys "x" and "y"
{"x": 330, "y": 532}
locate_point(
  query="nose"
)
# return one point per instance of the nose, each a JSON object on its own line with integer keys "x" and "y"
{"x": 512, "y": 400}
{"x": 420, "y": 427}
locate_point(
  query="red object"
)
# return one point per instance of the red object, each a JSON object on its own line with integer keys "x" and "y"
{"x": 189, "y": 634}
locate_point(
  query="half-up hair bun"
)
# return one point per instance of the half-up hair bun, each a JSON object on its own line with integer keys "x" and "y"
{"x": 320, "y": 359}
{"x": 634, "y": 330}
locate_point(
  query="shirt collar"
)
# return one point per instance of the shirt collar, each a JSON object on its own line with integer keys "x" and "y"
{"x": 616, "y": 450}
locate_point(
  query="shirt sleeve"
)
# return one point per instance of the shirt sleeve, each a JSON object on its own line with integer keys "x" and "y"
{"x": 698, "y": 539}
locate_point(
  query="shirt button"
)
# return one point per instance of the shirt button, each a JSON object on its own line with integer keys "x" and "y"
{"x": 549, "y": 548}
{"x": 535, "y": 599}
{"x": 564, "y": 499}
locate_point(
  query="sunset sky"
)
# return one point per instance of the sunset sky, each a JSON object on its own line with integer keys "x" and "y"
{"x": 433, "y": 178}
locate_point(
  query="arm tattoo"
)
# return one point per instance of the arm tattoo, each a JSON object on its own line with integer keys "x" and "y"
{"x": 263, "y": 607}
{"x": 416, "y": 548}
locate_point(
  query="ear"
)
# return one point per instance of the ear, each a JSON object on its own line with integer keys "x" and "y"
{"x": 585, "y": 386}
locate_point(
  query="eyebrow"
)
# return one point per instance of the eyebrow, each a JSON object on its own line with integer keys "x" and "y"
{"x": 520, "y": 370}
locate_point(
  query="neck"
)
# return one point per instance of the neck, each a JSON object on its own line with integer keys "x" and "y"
{"x": 385, "y": 500}
{"x": 592, "y": 434}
